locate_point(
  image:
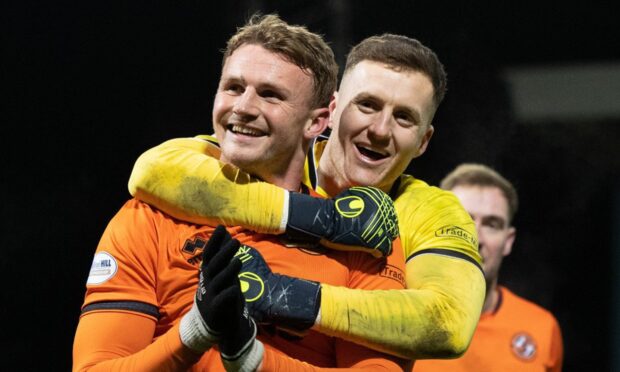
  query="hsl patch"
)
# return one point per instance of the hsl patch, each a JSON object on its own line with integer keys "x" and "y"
{"x": 103, "y": 268}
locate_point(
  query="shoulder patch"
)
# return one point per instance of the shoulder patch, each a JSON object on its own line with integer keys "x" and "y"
{"x": 457, "y": 232}
{"x": 104, "y": 267}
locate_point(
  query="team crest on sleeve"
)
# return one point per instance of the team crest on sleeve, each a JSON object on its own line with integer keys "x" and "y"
{"x": 523, "y": 346}
{"x": 103, "y": 268}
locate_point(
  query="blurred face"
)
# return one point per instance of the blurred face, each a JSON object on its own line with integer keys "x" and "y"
{"x": 261, "y": 114}
{"x": 382, "y": 120}
{"x": 489, "y": 209}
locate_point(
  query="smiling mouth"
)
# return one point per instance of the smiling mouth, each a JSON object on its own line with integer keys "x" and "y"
{"x": 370, "y": 153}
{"x": 239, "y": 129}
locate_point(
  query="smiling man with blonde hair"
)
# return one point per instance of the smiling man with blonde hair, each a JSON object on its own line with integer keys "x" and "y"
{"x": 380, "y": 120}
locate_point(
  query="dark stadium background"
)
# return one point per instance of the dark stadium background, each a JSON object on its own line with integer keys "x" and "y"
{"x": 90, "y": 85}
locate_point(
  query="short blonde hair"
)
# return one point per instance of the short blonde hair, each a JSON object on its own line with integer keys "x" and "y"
{"x": 472, "y": 174}
{"x": 298, "y": 45}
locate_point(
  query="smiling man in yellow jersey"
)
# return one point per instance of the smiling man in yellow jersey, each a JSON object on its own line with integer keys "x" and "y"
{"x": 380, "y": 120}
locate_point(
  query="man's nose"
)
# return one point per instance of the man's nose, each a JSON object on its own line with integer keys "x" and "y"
{"x": 246, "y": 104}
{"x": 381, "y": 127}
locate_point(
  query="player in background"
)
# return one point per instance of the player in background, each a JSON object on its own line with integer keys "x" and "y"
{"x": 146, "y": 307}
{"x": 513, "y": 334}
{"x": 380, "y": 120}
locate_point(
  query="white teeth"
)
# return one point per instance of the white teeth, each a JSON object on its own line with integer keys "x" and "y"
{"x": 246, "y": 130}
{"x": 373, "y": 150}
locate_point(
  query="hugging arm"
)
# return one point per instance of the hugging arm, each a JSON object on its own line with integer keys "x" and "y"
{"x": 184, "y": 178}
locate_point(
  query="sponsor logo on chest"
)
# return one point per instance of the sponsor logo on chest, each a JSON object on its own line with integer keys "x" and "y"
{"x": 192, "y": 249}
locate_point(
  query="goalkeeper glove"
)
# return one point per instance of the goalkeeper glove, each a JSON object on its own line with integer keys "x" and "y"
{"x": 239, "y": 348}
{"x": 359, "y": 218}
{"x": 219, "y": 313}
{"x": 290, "y": 303}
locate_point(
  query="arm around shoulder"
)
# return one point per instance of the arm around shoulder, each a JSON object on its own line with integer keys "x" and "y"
{"x": 434, "y": 318}
{"x": 184, "y": 178}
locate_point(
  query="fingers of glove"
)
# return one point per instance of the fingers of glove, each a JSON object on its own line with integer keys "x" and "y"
{"x": 225, "y": 308}
{"x": 221, "y": 259}
{"x": 380, "y": 202}
{"x": 237, "y": 328}
{"x": 225, "y": 278}
{"x": 219, "y": 237}
{"x": 377, "y": 215}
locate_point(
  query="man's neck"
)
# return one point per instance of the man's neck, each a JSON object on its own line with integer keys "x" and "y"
{"x": 288, "y": 178}
{"x": 329, "y": 180}
{"x": 491, "y": 299}
{"x": 286, "y": 181}
{"x": 326, "y": 185}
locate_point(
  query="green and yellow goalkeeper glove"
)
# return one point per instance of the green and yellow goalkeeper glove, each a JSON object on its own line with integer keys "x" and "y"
{"x": 290, "y": 303}
{"x": 359, "y": 218}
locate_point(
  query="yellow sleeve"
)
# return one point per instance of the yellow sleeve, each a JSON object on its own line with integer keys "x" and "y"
{"x": 434, "y": 318}
{"x": 184, "y": 178}
{"x": 432, "y": 219}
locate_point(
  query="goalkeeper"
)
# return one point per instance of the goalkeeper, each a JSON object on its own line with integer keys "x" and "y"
{"x": 164, "y": 294}
{"x": 380, "y": 120}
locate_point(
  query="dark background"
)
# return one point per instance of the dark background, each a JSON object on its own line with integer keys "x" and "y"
{"x": 91, "y": 85}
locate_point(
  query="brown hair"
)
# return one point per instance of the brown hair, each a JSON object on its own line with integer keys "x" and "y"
{"x": 471, "y": 174}
{"x": 401, "y": 52}
{"x": 295, "y": 43}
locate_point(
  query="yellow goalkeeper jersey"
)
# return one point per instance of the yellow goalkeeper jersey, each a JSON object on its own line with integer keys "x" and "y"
{"x": 431, "y": 220}
{"x": 434, "y": 317}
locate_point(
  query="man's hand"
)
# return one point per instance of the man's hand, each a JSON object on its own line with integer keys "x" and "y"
{"x": 219, "y": 314}
{"x": 290, "y": 303}
{"x": 360, "y": 218}
{"x": 196, "y": 328}
{"x": 239, "y": 348}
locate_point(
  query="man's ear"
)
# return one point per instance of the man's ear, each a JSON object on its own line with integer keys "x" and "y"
{"x": 318, "y": 123}
{"x": 332, "y": 107}
{"x": 426, "y": 139}
{"x": 510, "y": 239}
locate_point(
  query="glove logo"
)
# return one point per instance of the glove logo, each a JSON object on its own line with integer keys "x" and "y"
{"x": 252, "y": 286}
{"x": 350, "y": 206}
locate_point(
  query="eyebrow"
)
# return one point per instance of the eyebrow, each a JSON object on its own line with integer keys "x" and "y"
{"x": 494, "y": 218}
{"x": 275, "y": 87}
{"x": 415, "y": 114}
{"x": 261, "y": 86}
{"x": 233, "y": 78}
